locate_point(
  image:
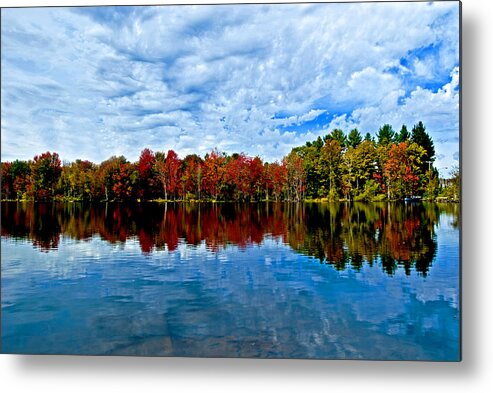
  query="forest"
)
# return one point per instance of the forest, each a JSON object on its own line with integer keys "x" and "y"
{"x": 388, "y": 166}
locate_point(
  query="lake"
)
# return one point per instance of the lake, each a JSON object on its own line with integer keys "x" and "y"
{"x": 271, "y": 280}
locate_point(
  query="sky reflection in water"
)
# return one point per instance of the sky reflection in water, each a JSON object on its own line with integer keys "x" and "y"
{"x": 309, "y": 281}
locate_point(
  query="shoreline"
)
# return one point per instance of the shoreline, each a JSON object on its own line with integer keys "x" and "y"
{"x": 212, "y": 202}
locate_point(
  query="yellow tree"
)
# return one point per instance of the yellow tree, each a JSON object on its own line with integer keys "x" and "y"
{"x": 329, "y": 166}
{"x": 296, "y": 176}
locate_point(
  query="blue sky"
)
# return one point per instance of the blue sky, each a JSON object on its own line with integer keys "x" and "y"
{"x": 260, "y": 79}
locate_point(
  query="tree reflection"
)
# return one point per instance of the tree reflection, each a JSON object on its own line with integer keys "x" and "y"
{"x": 341, "y": 235}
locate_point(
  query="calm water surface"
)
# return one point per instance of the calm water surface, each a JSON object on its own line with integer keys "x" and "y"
{"x": 344, "y": 281}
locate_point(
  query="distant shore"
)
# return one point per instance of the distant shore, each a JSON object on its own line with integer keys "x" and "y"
{"x": 192, "y": 201}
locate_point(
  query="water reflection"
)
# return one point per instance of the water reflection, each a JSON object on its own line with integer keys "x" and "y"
{"x": 340, "y": 235}
{"x": 232, "y": 280}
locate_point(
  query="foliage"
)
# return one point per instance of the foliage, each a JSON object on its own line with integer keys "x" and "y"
{"x": 421, "y": 137}
{"x": 402, "y": 169}
{"x": 451, "y": 188}
{"x": 403, "y": 135}
{"x": 329, "y": 168}
{"x": 7, "y": 180}
{"x": 370, "y": 191}
{"x": 45, "y": 172}
{"x": 147, "y": 176}
{"x": 385, "y": 135}
{"x": 354, "y": 138}
{"x": 75, "y": 180}
{"x": 338, "y": 136}
{"x": 296, "y": 183}
{"x": 390, "y": 166}
{"x": 213, "y": 174}
{"x": 191, "y": 179}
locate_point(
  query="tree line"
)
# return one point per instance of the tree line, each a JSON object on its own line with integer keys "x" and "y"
{"x": 390, "y": 166}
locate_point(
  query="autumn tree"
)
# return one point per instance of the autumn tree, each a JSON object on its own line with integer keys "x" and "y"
{"x": 160, "y": 170}
{"x": 402, "y": 169}
{"x": 364, "y": 162}
{"x": 348, "y": 171}
{"x": 213, "y": 173}
{"x": 363, "y": 166}
{"x": 244, "y": 177}
{"x": 7, "y": 180}
{"x": 147, "y": 178}
{"x": 329, "y": 167}
{"x": 21, "y": 171}
{"x": 105, "y": 179}
{"x": 256, "y": 178}
{"x": 278, "y": 175}
{"x": 311, "y": 157}
{"x": 173, "y": 169}
{"x": 168, "y": 171}
{"x": 381, "y": 158}
{"x": 397, "y": 165}
{"x": 431, "y": 184}
{"x": 75, "y": 180}
{"x": 237, "y": 177}
{"x": 296, "y": 176}
{"x": 192, "y": 176}
{"x": 125, "y": 179}
{"x": 268, "y": 181}
{"x": 451, "y": 189}
{"x": 45, "y": 172}
{"x": 358, "y": 166}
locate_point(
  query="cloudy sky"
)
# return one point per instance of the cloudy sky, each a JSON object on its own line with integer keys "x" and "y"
{"x": 260, "y": 79}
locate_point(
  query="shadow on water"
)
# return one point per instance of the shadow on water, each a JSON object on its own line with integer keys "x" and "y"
{"x": 341, "y": 235}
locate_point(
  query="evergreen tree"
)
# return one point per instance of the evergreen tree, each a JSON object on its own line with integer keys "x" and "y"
{"x": 368, "y": 137}
{"x": 354, "y": 138}
{"x": 421, "y": 137}
{"x": 403, "y": 135}
{"x": 318, "y": 143}
{"x": 385, "y": 135}
{"x": 338, "y": 136}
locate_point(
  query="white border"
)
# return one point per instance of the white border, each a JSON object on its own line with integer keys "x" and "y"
{"x": 93, "y": 374}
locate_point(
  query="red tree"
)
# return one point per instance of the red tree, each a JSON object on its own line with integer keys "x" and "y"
{"x": 213, "y": 173}
{"x": 402, "y": 168}
{"x": 256, "y": 171}
{"x": 122, "y": 182}
{"x": 146, "y": 164}
{"x": 237, "y": 175}
{"x": 168, "y": 171}
{"x": 173, "y": 169}
{"x": 278, "y": 177}
{"x": 7, "y": 180}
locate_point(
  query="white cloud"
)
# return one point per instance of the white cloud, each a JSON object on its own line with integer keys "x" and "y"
{"x": 370, "y": 85}
{"x": 439, "y": 111}
{"x": 95, "y": 82}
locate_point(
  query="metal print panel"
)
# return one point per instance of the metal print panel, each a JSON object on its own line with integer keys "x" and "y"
{"x": 271, "y": 181}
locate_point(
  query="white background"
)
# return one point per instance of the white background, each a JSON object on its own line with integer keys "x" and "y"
{"x": 474, "y": 373}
